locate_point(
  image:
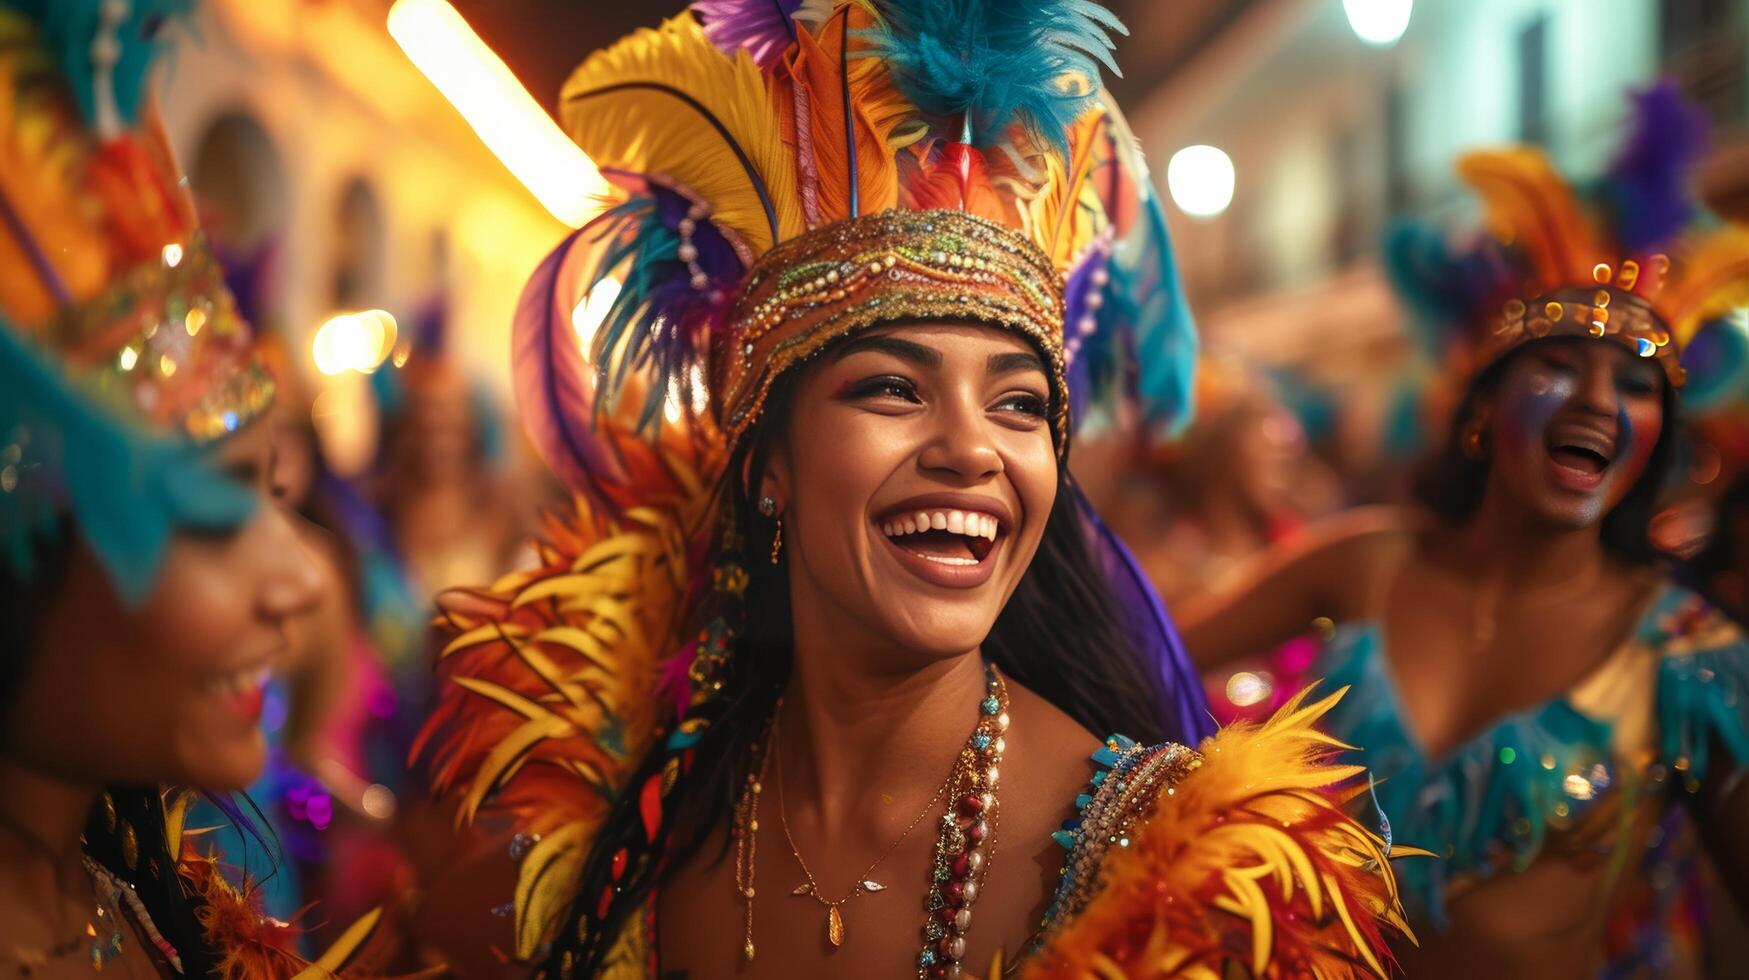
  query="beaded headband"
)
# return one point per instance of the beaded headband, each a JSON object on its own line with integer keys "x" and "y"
{"x": 1628, "y": 258}
{"x": 884, "y": 268}
{"x": 166, "y": 346}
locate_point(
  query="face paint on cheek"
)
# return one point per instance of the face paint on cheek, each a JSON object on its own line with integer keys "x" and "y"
{"x": 1633, "y": 448}
{"x": 1532, "y": 400}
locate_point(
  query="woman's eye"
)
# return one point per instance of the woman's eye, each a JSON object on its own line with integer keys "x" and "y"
{"x": 1025, "y": 403}
{"x": 886, "y": 386}
{"x": 1638, "y": 385}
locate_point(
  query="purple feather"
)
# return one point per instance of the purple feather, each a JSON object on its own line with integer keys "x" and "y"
{"x": 1183, "y": 708}
{"x": 765, "y": 28}
{"x": 1647, "y": 187}
{"x": 555, "y": 384}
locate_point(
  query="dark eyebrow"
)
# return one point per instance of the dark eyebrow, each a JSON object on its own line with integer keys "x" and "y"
{"x": 904, "y": 350}
{"x": 1014, "y": 361}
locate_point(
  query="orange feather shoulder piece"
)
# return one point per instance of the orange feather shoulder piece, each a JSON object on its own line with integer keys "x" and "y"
{"x": 1240, "y": 854}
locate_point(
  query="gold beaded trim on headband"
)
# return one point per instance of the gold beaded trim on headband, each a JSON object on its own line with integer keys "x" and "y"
{"x": 1610, "y": 309}
{"x": 880, "y": 268}
{"x": 167, "y": 346}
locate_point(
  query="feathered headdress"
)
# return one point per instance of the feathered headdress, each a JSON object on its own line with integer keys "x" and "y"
{"x": 1628, "y": 258}
{"x": 121, "y": 350}
{"x": 776, "y": 165}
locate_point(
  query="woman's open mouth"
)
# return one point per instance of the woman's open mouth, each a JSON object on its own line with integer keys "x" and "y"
{"x": 1579, "y": 457}
{"x": 241, "y": 691}
{"x": 951, "y": 547}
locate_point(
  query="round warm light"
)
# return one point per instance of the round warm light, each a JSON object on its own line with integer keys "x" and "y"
{"x": 353, "y": 342}
{"x": 1379, "y": 22}
{"x": 591, "y": 311}
{"x": 1201, "y": 181}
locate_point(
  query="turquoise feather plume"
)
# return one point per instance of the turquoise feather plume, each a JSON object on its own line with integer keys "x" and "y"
{"x": 70, "y": 26}
{"x": 126, "y": 490}
{"x": 988, "y": 64}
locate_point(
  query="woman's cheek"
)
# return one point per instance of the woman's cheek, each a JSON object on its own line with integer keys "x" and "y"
{"x": 1638, "y": 427}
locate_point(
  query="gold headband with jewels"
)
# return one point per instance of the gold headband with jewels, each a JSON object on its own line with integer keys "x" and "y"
{"x": 1617, "y": 307}
{"x": 166, "y": 345}
{"x": 881, "y": 268}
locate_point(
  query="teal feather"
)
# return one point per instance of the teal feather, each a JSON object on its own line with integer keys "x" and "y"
{"x": 69, "y": 28}
{"x": 984, "y": 65}
{"x": 125, "y": 489}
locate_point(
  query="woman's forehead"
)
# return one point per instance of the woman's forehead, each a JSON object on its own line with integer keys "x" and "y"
{"x": 944, "y": 336}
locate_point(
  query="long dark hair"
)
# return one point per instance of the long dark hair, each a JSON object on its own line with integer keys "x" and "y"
{"x": 1451, "y": 482}
{"x": 1060, "y": 635}
{"x": 153, "y": 874}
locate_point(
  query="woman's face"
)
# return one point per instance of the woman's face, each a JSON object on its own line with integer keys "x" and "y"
{"x": 170, "y": 691}
{"x": 1571, "y": 427}
{"x": 914, "y": 482}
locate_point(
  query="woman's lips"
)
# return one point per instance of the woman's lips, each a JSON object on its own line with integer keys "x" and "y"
{"x": 241, "y": 692}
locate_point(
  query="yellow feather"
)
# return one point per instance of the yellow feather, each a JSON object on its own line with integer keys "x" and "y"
{"x": 646, "y": 130}
{"x": 1531, "y": 205}
{"x": 546, "y": 881}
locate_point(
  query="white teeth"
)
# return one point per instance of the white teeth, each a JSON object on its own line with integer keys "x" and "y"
{"x": 241, "y": 682}
{"x": 941, "y": 560}
{"x": 966, "y": 522}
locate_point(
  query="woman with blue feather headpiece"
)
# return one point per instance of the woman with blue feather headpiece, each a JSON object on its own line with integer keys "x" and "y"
{"x": 150, "y": 581}
{"x": 810, "y": 681}
{"x": 1543, "y": 703}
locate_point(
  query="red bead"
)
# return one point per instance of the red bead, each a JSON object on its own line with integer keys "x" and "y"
{"x": 961, "y": 867}
{"x": 969, "y": 806}
{"x": 975, "y": 833}
{"x": 620, "y": 859}
{"x": 954, "y": 892}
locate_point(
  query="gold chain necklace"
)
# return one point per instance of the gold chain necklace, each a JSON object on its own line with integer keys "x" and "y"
{"x": 964, "y": 842}
{"x": 864, "y": 881}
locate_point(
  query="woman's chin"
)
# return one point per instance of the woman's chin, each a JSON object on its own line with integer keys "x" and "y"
{"x": 230, "y": 766}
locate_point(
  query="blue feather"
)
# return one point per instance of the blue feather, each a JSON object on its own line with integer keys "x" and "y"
{"x": 126, "y": 489}
{"x": 988, "y": 64}
{"x": 70, "y": 26}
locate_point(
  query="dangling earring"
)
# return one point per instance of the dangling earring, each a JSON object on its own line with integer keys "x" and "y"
{"x": 1473, "y": 442}
{"x": 768, "y": 507}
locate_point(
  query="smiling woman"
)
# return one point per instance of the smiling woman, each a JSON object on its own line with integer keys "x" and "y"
{"x": 149, "y": 577}
{"x": 876, "y": 259}
{"x": 1544, "y": 705}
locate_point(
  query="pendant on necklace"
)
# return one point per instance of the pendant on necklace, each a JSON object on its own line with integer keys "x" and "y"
{"x": 834, "y": 925}
{"x": 104, "y": 948}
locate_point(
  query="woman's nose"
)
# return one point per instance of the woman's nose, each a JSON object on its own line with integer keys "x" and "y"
{"x": 962, "y": 443}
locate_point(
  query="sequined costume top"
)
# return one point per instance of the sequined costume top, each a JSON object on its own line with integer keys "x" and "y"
{"x": 1590, "y": 775}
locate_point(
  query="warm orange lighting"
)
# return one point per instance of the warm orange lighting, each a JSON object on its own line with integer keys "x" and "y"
{"x": 511, "y": 124}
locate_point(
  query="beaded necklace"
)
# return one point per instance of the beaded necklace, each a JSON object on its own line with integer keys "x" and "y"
{"x": 964, "y": 842}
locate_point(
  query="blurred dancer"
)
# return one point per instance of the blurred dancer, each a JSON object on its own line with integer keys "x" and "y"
{"x": 1537, "y": 698}
{"x": 829, "y": 578}
{"x": 150, "y": 579}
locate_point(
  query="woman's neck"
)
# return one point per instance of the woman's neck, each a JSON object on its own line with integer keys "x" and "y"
{"x": 42, "y": 818}
{"x": 851, "y": 737}
{"x": 1505, "y": 545}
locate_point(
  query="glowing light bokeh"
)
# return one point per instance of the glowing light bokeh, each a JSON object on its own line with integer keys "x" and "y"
{"x": 1378, "y": 22}
{"x": 353, "y": 342}
{"x": 591, "y": 310}
{"x": 511, "y": 124}
{"x": 1201, "y": 180}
